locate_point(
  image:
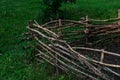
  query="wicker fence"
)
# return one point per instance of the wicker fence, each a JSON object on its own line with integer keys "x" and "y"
{"x": 64, "y": 44}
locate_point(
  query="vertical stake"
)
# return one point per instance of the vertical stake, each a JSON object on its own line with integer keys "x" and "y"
{"x": 119, "y": 17}
{"x": 102, "y": 56}
{"x": 86, "y": 30}
{"x": 60, "y": 29}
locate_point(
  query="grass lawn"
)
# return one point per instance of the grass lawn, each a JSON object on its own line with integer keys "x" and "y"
{"x": 14, "y": 16}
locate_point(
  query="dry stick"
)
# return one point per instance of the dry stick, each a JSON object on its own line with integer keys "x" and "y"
{"x": 104, "y": 30}
{"x": 111, "y": 32}
{"x": 66, "y": 53}
{"x": 103, "y": 34}
{"x": 97, "y": 50}
{"x": 76, "y": 22}
{"x": 64, "y": 63}
{"x": 115, "y": 73}
{"x": 78, "y": 32}
{"x": 106, "y": 39}
{"x": 49, "y": 38}
{"x": 75, "y": 37}
{"x": 69, "y": 26}
{"x": 103, "y": 26}
{"x": 52, "y": 27}
{"x": 45, "y": 29}
{"x": 104, "y": 20}
{"x": 105, "y": 64}
{"x": 50, "y": 22}
{"x": 74, "y": 31}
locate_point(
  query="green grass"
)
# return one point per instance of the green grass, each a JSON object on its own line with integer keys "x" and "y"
{"x": 14, "y": 16}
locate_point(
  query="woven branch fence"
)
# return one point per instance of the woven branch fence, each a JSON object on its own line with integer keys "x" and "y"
{"x": 64, "y": 44}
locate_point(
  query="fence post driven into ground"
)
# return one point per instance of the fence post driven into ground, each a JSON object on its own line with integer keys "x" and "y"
{"x": 60, "y": 29}
{"x": 119, "y": 17}
{"x": 102, "y": 56}
{"x": 87, "y": 33}
{"x": 86, "y": 29}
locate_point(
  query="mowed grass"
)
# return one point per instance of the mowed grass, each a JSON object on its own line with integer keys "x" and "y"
{"x": 14, "y": 16}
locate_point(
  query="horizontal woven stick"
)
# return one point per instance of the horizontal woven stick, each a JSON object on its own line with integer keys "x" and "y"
{"x": 75, "y": 37}
{"x": 70, "y": 26}
{"x": 102, "y": 26}
{"x": 64, "y": 26}
{"x": 110, "y": 32}
{"x": 111, "y": 37}
{"x": 96, "y": 50}
{"x": 105, "y": 33}
{"x": 54, "y": 21}
{"x": 104, "y": 20}
{"x": 77, "y": 32}
{"x": 104, "y": 30}
{"x": 73, "y": 21}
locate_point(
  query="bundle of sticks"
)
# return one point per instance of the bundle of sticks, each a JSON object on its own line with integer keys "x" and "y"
{"x": 53, "y": 46}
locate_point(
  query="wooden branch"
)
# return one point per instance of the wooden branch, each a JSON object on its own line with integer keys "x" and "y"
{"x": 46, "y": 30}
{"x": 49, "y": 38}
{"x": 112, "y": 19}
{"x": 96, "y": 50}
{"x": 110, "y": 70}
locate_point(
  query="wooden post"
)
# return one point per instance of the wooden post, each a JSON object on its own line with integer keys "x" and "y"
{"x": 119, "y": 16}
{"x": 102, "y": 56}
{"x": 86, "y": 29}
{"x": 87, "y": 33}
{"x": 60, "y": 29}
